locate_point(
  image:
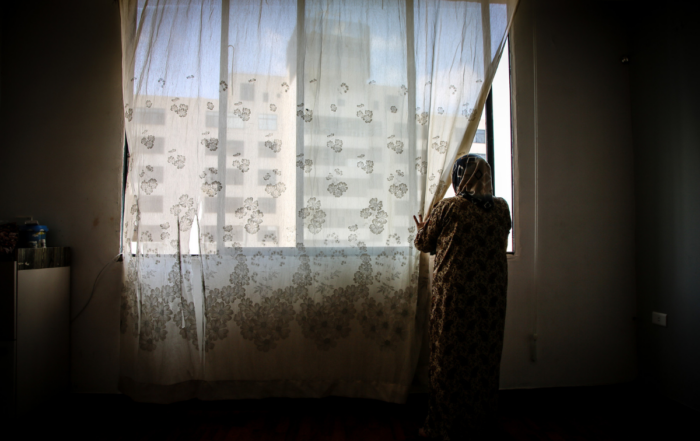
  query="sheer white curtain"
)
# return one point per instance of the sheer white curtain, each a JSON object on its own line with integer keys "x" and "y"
{"x": 278, "y": 150}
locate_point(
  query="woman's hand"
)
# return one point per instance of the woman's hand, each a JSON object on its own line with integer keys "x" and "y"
{"x": 419, "y": 222}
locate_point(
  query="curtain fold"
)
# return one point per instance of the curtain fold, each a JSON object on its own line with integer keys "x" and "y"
{"x": 278, "y": 151}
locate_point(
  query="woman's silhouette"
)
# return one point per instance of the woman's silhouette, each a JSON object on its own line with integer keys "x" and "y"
{"x": 468, "y": 234}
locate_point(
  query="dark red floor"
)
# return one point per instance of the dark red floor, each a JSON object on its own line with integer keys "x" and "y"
{"x": 619, "y": 412}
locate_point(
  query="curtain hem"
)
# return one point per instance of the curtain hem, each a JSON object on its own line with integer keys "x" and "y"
{"x": 241, "y": 390}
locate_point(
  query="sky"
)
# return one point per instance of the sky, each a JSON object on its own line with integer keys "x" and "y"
{"x": 185, "y": 41}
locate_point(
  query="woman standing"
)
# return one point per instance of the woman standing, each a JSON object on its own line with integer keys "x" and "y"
{"x": 468, "y": 234}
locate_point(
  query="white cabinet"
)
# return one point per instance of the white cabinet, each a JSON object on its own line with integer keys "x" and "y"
{"x": 34, "y": 328}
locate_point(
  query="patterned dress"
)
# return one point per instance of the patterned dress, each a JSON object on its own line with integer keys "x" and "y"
{"x": 467, "y": 316}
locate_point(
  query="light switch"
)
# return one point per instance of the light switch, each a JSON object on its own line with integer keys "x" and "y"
{"x": 658, "y": 318}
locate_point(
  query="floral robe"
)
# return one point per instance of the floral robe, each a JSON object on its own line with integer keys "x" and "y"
{"x": 467, "y": 314}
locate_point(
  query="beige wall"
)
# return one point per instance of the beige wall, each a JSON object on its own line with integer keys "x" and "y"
{"x": 62, "y": 156}
{"x": 62, "y": 120}
{"x": 667, "y": 160}
{"x": 572, "y": 279}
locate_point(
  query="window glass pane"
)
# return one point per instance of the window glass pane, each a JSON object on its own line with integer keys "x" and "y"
{"x": 247, "y": 92}
{"x": 502, "y": 147}
{"x": 267, "y": 122}
{"x": 479, "y": 143}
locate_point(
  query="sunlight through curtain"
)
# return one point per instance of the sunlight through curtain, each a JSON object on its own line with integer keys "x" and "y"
{"x": 278, "y": 151}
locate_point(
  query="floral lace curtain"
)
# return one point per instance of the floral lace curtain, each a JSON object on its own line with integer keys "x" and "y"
{"x": 278, "y": 151}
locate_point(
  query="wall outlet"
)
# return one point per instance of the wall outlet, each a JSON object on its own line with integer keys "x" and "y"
{"x": 658, "y": 318}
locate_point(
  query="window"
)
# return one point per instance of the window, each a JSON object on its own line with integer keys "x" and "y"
{"x": 493, "y": 139}
{"x": 151, "y": 116}
{"x": 267, "y": 122}
{"x": 480, "y": 137}
{"x": 358, "y": 134}
{"x": 234, "y": 121}
{"x": 247, "y": 92}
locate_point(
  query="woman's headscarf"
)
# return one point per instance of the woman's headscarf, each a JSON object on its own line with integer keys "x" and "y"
{"x": 471, "y": 179}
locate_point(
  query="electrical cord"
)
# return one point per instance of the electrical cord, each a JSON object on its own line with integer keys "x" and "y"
{"x": 117, "y": 258}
